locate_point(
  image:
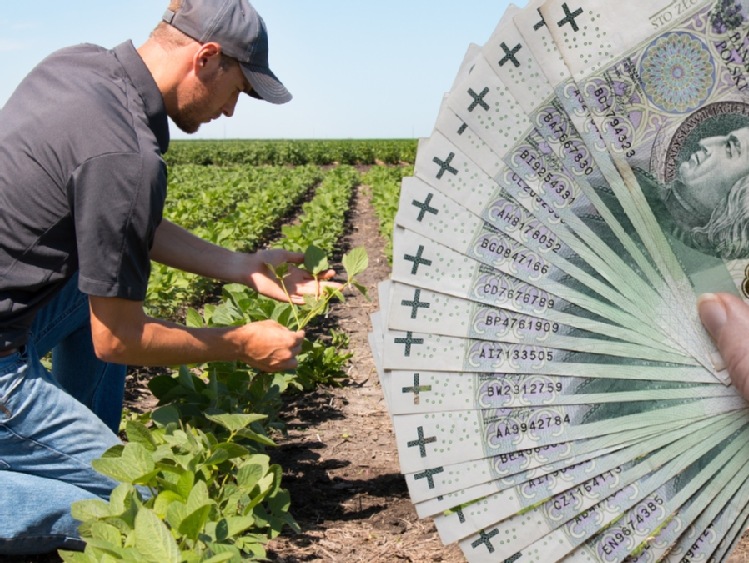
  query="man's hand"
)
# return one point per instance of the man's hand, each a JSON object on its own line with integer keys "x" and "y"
{"x": 122, "y": 333}
{"x": 726, "y": 318}
{"x": 298, "y": 283}
{"x": 269, "y": 346}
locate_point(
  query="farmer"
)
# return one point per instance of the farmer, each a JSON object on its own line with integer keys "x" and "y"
{"x": 82, "y": 189}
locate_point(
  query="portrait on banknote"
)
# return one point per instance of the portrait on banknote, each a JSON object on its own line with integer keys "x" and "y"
{"x": 701, "y": 180}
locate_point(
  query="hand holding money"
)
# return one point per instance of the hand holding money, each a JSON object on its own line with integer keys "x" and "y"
{"x": 554, "y": 393}
{"x": 726, "y": 318}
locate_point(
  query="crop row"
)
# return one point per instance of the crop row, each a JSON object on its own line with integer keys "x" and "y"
{"x": 384, "y": 183}
{"x": 292, "y": 152}
{"x": 235, "y": 207}
{"x": 322, "y": 222}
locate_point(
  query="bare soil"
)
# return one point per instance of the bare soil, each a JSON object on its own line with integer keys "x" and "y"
{"x": 339, "y": 457}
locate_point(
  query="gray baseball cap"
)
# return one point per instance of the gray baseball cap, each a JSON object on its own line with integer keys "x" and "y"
{"x": 242, "y": 34}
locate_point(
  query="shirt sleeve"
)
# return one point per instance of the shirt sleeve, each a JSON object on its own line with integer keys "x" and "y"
{"x": 117, "y": 202}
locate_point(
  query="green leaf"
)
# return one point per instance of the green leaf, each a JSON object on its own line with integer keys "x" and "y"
{"x": 106, "y": 533}
{"x": 249, "y": 475}
{"x": 154, "y": 540}
{"x": 90, "y": 509}
{"x": 197, "y": 510}
{"x": 75, "y": 557}
{"x": 137, "y": 433}
{"x": 164, "y": 500}
{"x": 165, "y": 415}
{"x": 315, "y": 260}
{"x": 355, "y": 262}
{"x": 193, "y": 319}
{"x": 363, "y": 290}
{"x": 135, "y": 465}
{"x": 235, "y": 422}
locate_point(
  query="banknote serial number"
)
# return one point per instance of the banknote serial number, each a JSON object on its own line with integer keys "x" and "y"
{"x": 572, "y": 498}
{"x": 643, "y": 514}
{"x": 540, "y": 423}
{"x": 510, "y": 390}
{"x": 535, "y": 325}
{"x": 572, "y": 148}
{"x": 540, "y": 236}
{"x": 547, "y": 177}
{"x": 516, "y": 355}
{"x": 517, "y": 295}
{"x": 508, "y": 253}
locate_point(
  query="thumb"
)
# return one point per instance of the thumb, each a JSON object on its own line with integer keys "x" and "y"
{"x": 726, "y": 318}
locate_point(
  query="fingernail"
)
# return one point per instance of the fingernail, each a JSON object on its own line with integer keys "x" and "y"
{"x": 712, "y": 313}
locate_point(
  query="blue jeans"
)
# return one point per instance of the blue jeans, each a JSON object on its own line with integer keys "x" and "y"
{"x": 52, "y": 425}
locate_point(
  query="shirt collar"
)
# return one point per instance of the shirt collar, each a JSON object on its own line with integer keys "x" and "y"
{"x": 149, "y": 92}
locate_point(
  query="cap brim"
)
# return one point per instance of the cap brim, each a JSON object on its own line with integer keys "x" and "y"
{"x": 265, "y": 84}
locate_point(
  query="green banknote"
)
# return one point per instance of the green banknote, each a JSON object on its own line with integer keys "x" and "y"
{"x": 514, "y": 244}
{"x": 417, "y": 309}
{"x": 543, "y": 505}
{"x": 699, "y": 464}
{"x": 496, "y": 119}
{"x": 676, "y": 139}
{"x": 442, "y": 488}
{"x": 689, "y": 526}
{"x": 422, "y": 262}
{"x": 434, "y": 439}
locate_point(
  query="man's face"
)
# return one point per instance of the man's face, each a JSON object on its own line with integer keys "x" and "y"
{"x": 210, "y": 96}
{"x": 712, "y": 170}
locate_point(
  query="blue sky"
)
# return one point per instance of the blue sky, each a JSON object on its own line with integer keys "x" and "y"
{"x": 356, "y": 69}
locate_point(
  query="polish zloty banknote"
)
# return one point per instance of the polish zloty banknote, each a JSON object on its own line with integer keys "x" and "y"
{"x": 700, "y": 462}
{"x": 431, "y": 391}
{"x": 433, "y": 439}
{"x": 690, "y": 523}
{"x": 513, "y": 243}
{"x": 559, "y": 500}
{"x": 433, "y": 352}
{"x": 568, "y": 130}
{"x": 414, "y": 309}
{"x": 498, "y": 118}
{"x": 556, "y": 139}
{"x": 421, "y": 262}
{"x": 445, "y": 480}
{"x": 615, "y": 542}
{"x": 676, "y": 138}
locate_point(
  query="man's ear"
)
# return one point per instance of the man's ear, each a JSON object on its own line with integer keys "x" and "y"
{"x": 207, "y": 58}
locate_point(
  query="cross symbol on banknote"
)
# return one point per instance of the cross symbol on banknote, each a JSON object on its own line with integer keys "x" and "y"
{"x": 462, "y": 128}
{"x": 416, "y": 304}
{"x": 478, "y": 99}
{"x": 445, "y": 165}
{"x": 485, "y": 539}
{"x": 429, "y": 475}
{"x": 569, "y": 17}
{"x": 409, "y": 340}
{"x": 425, "y": 208}
{"x": 540, "y": 24}
{"x": 461, "y": 516}
{"x": 416, "y": 389}
{"x": 417, "y": 260}
{"x": 422, "y": 442}
{"x": 510, "y": 55}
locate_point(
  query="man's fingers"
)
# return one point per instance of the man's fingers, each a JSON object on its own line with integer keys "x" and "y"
{"x": 712, "y": 314}
{"x": 726, "y": 318}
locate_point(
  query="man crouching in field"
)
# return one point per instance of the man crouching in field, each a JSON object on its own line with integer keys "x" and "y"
{"x": 82, "y": 189}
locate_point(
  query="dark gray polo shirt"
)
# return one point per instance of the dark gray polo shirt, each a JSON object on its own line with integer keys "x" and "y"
{"x": 82, "y": 181}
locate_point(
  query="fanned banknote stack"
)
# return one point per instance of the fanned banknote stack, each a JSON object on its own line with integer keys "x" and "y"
{"x": 552, "y": 391}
